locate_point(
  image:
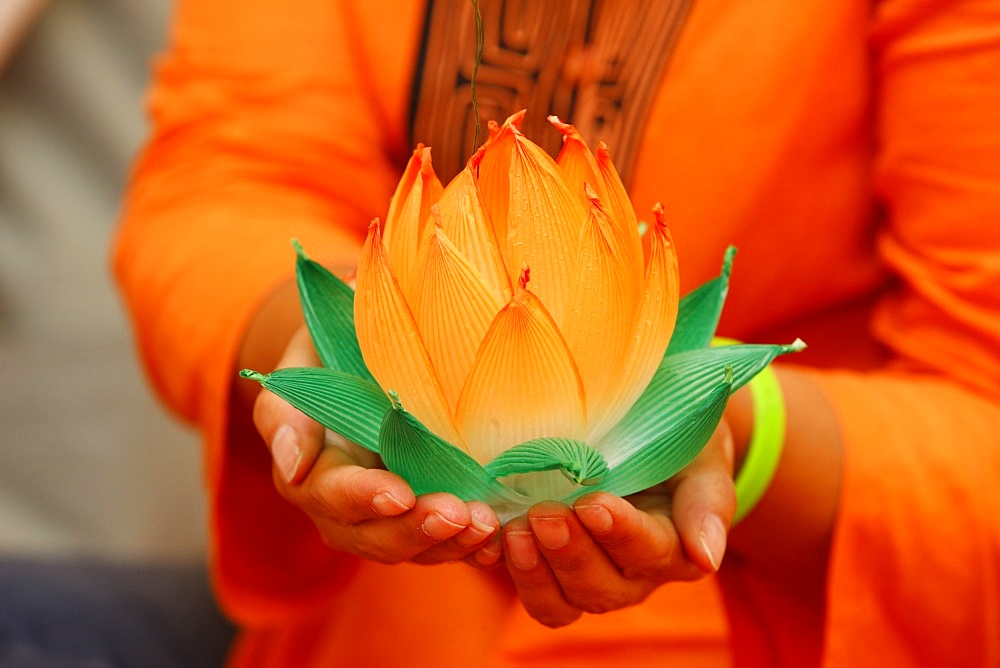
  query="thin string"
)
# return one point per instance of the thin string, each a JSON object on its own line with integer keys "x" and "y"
{"x": 475, "y": 70}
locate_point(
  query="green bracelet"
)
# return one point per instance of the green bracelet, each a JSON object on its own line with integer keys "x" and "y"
{"x": 768, "y": 438}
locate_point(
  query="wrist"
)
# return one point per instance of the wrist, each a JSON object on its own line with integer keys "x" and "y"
{"x": 739, "y": 416}
{"x": 267, "y": 336}
{"x": 756, "y": 418}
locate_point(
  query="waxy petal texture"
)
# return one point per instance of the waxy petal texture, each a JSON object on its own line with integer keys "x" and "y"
{"x": 391, "y": 344}
{"x": 536, "y": 216}
{"x": 600, "y": 313}
{"x": 523, "y": 384}
{"x": 453, "y": 308}
{"x": 651, "y": 330}
{"x": 407, "y": 225}
{"x": 619, "y": 206}
{"x": 578, "y": 164}
{"x": 465, "y": 221}
{"x": 581, "y": 169}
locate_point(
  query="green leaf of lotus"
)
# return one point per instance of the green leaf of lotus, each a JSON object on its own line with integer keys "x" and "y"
{"x": 512, "y": 339}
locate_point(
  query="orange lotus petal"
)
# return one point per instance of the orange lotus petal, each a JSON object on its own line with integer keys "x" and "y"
{"x": 618, "y": 204}
{"x": 536, "y": 217}
{"x": 453, "y": 308}
{"x": 523, "y": 383}
{"x": 600, "y": 314}
{"x": 651, "y": 331}
{"x": 391, "y": 344}
{"x": 492, "y": 128}
{"x": 577, "y": 163}
{"x": 494, "y": 176}
{"x": 407, "y": 227}
{"x": 466, "y": 223}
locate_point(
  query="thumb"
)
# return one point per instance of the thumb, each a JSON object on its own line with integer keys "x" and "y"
{"x": 294, "y": 439}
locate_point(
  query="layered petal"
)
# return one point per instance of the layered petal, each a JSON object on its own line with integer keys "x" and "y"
{"x": 407, "y": 227}
{"x": 453, "y": 307}
{"x": 523, "y": 383}
{"x": 651, "y": 330}
{"x": 536, "y": 217}
{"x": 465, "y": 221}
{"x": 600, "y": 313}
{"x": 577, "y": 163}
{"x": 579, "y": 167}
{"x": 618, "y": 205}
{"x": 391, "y": 344}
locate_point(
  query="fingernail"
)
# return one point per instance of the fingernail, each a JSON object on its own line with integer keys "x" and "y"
{"x": 597, "y": 519}
{"x": 475, "y": 533}
{"x": 286, "y": 452}
{"x": 551, "y": 532}
{"x": 713, "y": 540}
{"x": 386, "y": 504}
{"x": 522, "y": 550}
{"x": 488, "y": 555}
{"x": 438, "y": 527}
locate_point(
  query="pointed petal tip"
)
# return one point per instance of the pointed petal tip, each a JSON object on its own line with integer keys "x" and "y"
{"x": 568, "y": 130}
{"x": 603, "y": 156}
{"x": 252, "y": 375}
{"x": 300, "y": 252}
{"x": 796, "y": 346}
{"x": 515, "y": 119}
{"x": 523, "y": 277}
{"x": 426, "y": 164}
{"x": 512, "y": 125}
{"x": 660, "y": 221}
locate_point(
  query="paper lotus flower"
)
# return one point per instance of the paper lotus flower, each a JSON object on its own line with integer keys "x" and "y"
{"x": 508, "y": 337}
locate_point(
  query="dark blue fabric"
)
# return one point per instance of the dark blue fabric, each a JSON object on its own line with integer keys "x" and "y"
{"x": 84, "y": 614}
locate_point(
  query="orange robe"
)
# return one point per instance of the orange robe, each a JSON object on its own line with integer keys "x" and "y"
{"x": 851, "y": 152}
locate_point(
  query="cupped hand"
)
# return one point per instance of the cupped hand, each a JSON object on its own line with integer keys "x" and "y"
{"x": 607, "y": 553}
{"x": 358, "y": 507}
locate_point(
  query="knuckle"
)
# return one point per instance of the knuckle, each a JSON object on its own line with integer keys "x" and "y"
{"x": 655, "y": 570}
{"x": 318, "y": 500}
{"x": 570, "y": 563}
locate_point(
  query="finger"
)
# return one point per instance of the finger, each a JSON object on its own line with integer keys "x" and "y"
{"x": 588, "y": 577}
{"x": 294, "y": 439}
{"x": 483, "y": 528}
{"x": 704, "y": 502}
{"x": 537, "y": 587}
{"x": 373, "y": 513}
{"x": 489, "y": 555}
{"x": 343, "y": 492}
{"x": 643, "y": 544}
{"x": 434, "y": 518}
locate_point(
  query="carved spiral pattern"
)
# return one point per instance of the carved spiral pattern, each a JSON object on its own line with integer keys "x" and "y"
{"x": 594, "y": 63}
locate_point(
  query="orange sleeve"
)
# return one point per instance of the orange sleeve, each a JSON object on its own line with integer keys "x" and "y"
{"x": 916, "y": 558}
{"x": 262, "y": 132}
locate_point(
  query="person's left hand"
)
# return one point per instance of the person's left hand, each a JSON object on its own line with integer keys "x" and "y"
{"x": 607, "y": 553}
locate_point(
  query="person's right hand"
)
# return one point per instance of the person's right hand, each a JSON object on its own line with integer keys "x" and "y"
{"x": 357, "y": 507}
